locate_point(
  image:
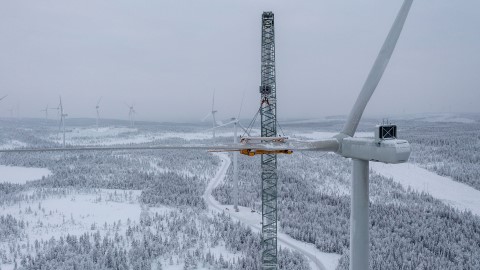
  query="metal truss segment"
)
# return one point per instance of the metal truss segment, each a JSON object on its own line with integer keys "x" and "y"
{"x": 268, "y": 112}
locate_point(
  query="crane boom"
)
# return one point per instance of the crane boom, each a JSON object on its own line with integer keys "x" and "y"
{"x": 268, "y": 113}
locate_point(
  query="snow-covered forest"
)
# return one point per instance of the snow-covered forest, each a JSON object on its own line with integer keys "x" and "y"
{"x": 146, "y": 209}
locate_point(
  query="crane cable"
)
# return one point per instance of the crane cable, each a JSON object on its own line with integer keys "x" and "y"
{"x": 252, "y": 123}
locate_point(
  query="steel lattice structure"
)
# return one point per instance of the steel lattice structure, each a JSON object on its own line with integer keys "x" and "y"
{"x": 268, "y": 114}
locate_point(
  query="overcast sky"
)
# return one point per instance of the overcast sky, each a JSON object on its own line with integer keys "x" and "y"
{"x": 167, "y": 57}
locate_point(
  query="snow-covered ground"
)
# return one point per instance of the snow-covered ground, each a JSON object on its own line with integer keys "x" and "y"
{"x": 79, "y": 212}
{"x": 20, "y": 175}
{"x": 101, "y": 132}
{"x": 121, "y": 135}
{"x": 104, "y": 210}
{"x": 458, "y": 195}
{"x": 12, "y": 144}
{"x": 439, "y": 117}
{"x": 317, "y": 259}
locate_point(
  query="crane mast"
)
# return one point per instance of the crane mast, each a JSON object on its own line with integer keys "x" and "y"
{"x": 268, "y": 113}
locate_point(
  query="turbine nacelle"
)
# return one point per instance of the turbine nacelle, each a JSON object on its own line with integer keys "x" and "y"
{"x": 387, "y": 151}
{"x": 384, "y": 147}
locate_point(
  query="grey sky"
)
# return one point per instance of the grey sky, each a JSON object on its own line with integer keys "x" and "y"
{"x": 168, "y": 56}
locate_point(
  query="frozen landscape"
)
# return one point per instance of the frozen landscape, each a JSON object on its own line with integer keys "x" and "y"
{"x": 180, "y": 215}
{"x": 151, "y": 135}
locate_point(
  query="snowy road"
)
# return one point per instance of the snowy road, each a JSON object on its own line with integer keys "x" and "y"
{"x": 317, "y": 259}
{"x": 456, "y": 194}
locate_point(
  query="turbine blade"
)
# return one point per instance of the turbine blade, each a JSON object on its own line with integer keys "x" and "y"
{"x": 100, "y": 99}
{"x": 3, "y": 97}
{"x": 325, "y": 145}
{"x": 206, "y": 116}
{"x": 60, "y": 106}
{"x": 222, "y": 125}
{"x": 213, "y": 100}
{"x": 377, "y": 70}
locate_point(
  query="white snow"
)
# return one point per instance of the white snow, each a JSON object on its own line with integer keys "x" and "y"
{"x": 20, "y": 175}
{"x": 317, "y": 259}
{"x": 458, "y": 195}
{"x": 439, "y": 118}
{"x": 75, "y": 213}
{"x": 110, "y": 136}
{"x": 101, "y": 132}
{"x": 222, "y": 250}
{"x": 13, "y": 144}
{"x": 166, "y": 266}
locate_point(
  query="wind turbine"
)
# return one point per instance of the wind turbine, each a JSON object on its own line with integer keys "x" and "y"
{"x": 361, "y": 152}
{"x": 236, "y": 122}
{"x": 97, "y": 108}
{"x": 131, "y": 114}
{"x": 62, "y": 120}
{"x": 46, "y": 112}
{"x": 212, "y": 113}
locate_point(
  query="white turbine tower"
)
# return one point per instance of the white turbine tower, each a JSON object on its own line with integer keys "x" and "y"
{"x": 97, "y": 108}
{"x": 235, "y": 121}
{"x": 46, "y": 112}
{"x": 212, "y": 114}
{"x": 62, "y": 120}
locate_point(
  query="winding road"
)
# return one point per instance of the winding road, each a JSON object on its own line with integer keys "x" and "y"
{"x": 317, "y": 260}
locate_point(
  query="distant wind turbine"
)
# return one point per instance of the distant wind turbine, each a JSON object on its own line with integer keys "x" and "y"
{"x": 131, "y": 114}
{"x": 97, "y": 108}
{"x": 62, "y": 120}
{"x": 212, "y": 114}
{"x": 236, "y": 122}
